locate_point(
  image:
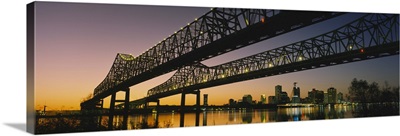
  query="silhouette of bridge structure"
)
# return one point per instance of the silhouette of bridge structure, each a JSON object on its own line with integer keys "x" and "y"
{"x": 371, "y": 36}
{"x": 223, "y": 30}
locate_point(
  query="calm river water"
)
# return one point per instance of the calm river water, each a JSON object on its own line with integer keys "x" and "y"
{"x": 239, "y": 116}
{"x": 210, "y": 118}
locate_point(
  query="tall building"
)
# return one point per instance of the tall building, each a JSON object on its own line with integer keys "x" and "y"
{"x": 326, "y": 100}
{"x": 296, "y": 94}
{"x": 247, "y": 99}
{"x": 263, "y": 99}
{"x": 340, "y": 98}
{"x": 205, "y": 101}
{"x": 319, "y": 97}
{"x": 316, "y": 96}
{"x": 278, "y": 91}
{"x": 332, "y": 95}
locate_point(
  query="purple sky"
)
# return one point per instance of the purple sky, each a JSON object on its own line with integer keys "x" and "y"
{"x": 76, "y": 45}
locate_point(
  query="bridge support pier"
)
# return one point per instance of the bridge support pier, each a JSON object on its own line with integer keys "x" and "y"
{"x": 157, "y": 112}
{"x": 182, "y": 113}
{"x": 126, "y": 109}
{"x": 112, "y": 109}
{"x": 197, "y": 107}
{"x": 183, "y": 108}
{"x": 101, "y": 104}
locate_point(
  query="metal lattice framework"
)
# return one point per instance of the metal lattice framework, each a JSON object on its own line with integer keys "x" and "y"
{"x": 217, "y": 32}
{"x": 371, "y": 36}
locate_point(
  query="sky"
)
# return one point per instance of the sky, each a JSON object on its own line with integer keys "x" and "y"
{"x": 76, "y": 45}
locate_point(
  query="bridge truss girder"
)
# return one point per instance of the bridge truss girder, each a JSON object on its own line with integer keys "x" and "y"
{"x": 371, "y": 36}
{"x": 217, "y": 32}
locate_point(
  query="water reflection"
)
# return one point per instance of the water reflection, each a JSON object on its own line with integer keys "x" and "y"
{"x": 243, "y": 116}
{"x": 207, "y": 118}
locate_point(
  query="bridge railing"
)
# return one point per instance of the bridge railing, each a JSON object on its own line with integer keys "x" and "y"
{"x": 368, "y": 31}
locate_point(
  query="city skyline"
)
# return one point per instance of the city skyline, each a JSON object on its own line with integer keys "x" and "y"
{"x": 259, "y": 99}
{"x": 75, "y": 50}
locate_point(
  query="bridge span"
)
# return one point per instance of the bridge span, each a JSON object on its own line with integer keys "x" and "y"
{"x": 369, "y": 37}
{"x": 217, "y": 32}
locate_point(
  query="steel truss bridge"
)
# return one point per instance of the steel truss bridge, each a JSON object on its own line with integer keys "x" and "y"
{"x": 371, "y": 36}
{"x": 223, "y": 30}
{"x": 217, "y": 32}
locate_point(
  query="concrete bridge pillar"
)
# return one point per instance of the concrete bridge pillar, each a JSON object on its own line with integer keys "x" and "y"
{"x": 197, "y": 107}
{"x": 157, "y": 108}
{"x": 183, "y": 108}
{"x": 101, "y": 104}
{"x": 112, "y": 109}
{"x": 182, "y": 112}
{"x": 126, "y": 109}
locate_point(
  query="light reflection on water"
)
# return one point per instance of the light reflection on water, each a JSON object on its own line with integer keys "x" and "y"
{"x": 79, "y": 123}
{"x": 243, "y": 116}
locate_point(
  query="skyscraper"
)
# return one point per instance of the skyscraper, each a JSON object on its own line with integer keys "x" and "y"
{"x": 278, "y": 91}
{"x": 332, "y": 95}
{"x": 205, "y": 101}
{"x": 340, "y": 98}
{"x": 326, "y": 98}
{"x": 316, "y": 96}
{"x": 296, "y": 94}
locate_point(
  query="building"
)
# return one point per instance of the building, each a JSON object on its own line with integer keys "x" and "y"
{"x": 271, "y": 100}
{"x": 205, "y": 101}
{"x": 315, "y": 96}
{"x": 263, "y": 99}
{"x": 340, "y": 98}
{"x": 232, "y": 102}
{"x": 296, "y": 94}
{"x": 332, "y": 95}
{"x": 284, "y": 98}
{"x": 247, "y": 99}
{"x": 319, "y": 97}
{"x": 278, "y": 91}
{"x": 326, "y": 100}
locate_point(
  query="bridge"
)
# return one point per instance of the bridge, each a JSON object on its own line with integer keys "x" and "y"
{"x": 217, "y": 32}
{"x": 369, "y": 37}
{"x": 224, "y": 30}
